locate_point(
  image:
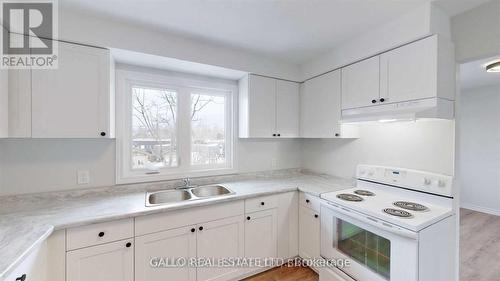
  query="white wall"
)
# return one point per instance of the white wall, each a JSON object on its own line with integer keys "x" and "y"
{"x": 424, "y": 145}
{"x": 476, "y": 33}
{"x": 28, "y": 166}
{"x": 479, "y": 140}
{"x": 89, "y": 29}
{"x": 417, "y": 24}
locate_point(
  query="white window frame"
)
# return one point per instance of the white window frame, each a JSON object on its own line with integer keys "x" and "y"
{"x": 183, "y": 85}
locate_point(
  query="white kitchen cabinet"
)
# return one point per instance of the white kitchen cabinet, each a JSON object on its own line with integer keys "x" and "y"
{"x": 175, "y": 243}
{"x": 309, "y": 233}
{"x": 287, "y": 109}
{"x": 222, "y": 238}
{"x": 422, "y": 69}
{"x": 100, "y": 233}
{"x": 4, "y": 103}
{"x": 44, "y": 262}
{"x": 320, "y": 108}
{"x": 361, "y": 83}
{"x": 261, "y": 234}
{"x": 268, "y": 107}
{"x": 74, "y": 100}
{"x": 19, "y": 103}
{"x": 107, "y": 262}
{"x": 33, "y": 267}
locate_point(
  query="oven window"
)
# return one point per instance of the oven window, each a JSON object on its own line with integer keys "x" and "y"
{"x": 365, "y": 247}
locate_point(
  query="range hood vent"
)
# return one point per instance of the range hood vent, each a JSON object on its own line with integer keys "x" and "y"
{"x": 408, "y": 110}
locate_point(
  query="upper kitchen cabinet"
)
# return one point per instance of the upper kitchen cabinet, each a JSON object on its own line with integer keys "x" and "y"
{"x": 268, "y": 107}
{"x": 320, "y": 108}
{"x": 74, "y": 100}
{"x": 423, "y": 69}
{"x": 361, "y": 83}
{"x": 4, "y": 102}
{"x": 287, "y": 109}
{"x": 414, "y": 81}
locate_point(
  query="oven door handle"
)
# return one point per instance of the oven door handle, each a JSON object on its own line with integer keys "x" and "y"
{"x": 374, "y": 222}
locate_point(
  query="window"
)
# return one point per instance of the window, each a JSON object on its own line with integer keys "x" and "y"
{"x": 169, "y": 127}
{"x": 154, "y": 128}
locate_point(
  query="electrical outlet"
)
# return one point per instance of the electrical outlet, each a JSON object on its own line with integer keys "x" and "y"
{"x": 274, "y": 163}
{"x": 83, "y": 177}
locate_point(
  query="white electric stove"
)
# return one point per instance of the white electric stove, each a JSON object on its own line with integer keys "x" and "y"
{"x": 396, "y": 224}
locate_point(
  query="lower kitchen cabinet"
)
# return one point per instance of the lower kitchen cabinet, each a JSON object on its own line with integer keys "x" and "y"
{"x": 107, "y": 262}
{"x": 309, "y": 233}
{"x": 222, "y": 238}
{"x": 152, "y": 248}
{"x": 261, "y": 238}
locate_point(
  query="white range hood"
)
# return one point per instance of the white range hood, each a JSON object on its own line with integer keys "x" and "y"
{"x": 407, "y": 110}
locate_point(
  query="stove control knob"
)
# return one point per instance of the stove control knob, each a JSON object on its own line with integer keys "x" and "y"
{"x": 441, "y": 183}
{"x": 362, "y": 172}
{"x": 426, "y": 181}
{"x": 371, "y": 173}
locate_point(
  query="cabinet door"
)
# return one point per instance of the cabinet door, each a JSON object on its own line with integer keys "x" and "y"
{"x": 261, "y": 239}
{"x": 409, "y": 72}
{"x": 320, "y": 106}
{"x": 33, "y": 267}
{"x": 309, "y": 232}
{"x": 107, "y": 262}
{"x": 220, "y": 239}
{"x": 172, "y": 244}
{"x": 19, "y": 103}
{"x": 261, "y": 106}
{"x": 4, "y": 103}
{"x": 72, "y": 101}
{"x": 287, "y": 109}
{"x": 361, "y": 83}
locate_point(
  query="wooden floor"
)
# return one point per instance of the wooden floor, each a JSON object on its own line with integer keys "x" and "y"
{"x": 286, "y": 274}
{"x": 479, "y": 246}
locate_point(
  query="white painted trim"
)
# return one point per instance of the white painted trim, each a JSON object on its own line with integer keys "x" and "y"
{"x": 470, "y": 206}
{"x": 181, "y": 83}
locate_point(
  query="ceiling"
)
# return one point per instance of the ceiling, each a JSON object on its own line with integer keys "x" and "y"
{"x": 292, "y": 30}
{"x": 473, "y": 74}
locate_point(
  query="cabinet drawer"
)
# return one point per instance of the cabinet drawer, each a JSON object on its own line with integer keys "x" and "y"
{"x": 261, "y": 203}
{"x": 101, "y": 233}
{"x": 309, "y": 201}
{"x": 191, "y": 216}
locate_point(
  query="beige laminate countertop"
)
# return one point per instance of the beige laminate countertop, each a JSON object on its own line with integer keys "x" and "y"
{"x": 27, "y": 220}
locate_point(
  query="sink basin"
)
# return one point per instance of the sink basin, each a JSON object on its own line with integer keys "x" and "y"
{"x": 210, "y": 191}
{"x": 167, "y": 196}
{"x": 187, "y": 194}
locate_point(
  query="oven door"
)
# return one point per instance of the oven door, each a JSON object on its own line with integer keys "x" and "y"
{"x": 376, "y": 250}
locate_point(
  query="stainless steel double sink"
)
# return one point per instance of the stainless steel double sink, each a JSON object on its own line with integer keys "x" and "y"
{"x": 186, "y": 194}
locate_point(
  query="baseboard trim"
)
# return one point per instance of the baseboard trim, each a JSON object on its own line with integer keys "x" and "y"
{"x": 481, "y": 209}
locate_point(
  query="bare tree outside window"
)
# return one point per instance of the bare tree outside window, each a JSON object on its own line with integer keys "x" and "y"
{"x": 154, "y": 123}
{"x": 208, "y": 134}
{"x": 154, "y": 128}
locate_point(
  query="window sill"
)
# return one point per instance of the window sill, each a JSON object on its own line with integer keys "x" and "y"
{"x": 144, "y": 178}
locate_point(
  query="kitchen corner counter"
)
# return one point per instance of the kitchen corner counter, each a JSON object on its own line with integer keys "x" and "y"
{"x": 27, "y": 220}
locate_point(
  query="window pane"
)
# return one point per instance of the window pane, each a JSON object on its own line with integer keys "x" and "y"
{"x": 208, "y": 135}
{"x": 154, "y": 136}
